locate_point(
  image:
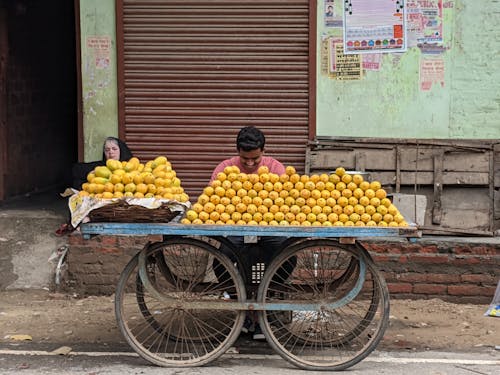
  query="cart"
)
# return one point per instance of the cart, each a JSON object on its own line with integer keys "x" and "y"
{"x": 321, "y": 302}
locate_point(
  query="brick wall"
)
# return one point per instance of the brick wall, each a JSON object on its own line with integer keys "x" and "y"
{"x": 452, "y": 270}
{"x": 94, "y": 265}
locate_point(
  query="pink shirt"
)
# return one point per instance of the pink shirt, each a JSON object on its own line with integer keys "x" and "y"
{"x": 274, "y": 166}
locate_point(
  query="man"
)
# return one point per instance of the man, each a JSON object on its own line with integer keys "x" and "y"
{"x": 250, "y": 145}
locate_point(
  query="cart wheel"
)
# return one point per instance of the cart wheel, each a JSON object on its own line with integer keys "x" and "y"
{"x": 339, "y": 305}
{"x": 162, "y": 330}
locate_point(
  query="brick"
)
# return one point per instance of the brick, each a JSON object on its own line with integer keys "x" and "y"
{"x": 108, "y": 240}
{"x": 381, "y": 258}
{"x": 400, "y": 287}
{"x": 75, "y": 239}
{"x": 477, "y": 250}
{"x": 478, "y": 279}
{"x": 428, "y": 249}
{"x": 110, "y": 250}
{"x": 86, "y": 258}
{"x": 411, "y": 277}
{"x": 429, "y": 259}
{"x": 429, "y": 289}
{"x": 442, "y": 278}
{"x": 470, "y": 290}
{"x": 465, "y": 260}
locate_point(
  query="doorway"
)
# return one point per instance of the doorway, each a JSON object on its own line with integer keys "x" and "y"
{"x": 38, "y": 96}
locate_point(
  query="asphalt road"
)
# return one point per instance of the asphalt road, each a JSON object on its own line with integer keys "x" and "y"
{"x": 92, "y": 360}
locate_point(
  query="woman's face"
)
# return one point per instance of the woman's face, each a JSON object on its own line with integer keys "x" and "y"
{"x": 111, "y": 150}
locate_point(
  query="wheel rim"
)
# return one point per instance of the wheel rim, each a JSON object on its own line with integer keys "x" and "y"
{"x": 169, "y": 335}
{"x": 325, "y": 273}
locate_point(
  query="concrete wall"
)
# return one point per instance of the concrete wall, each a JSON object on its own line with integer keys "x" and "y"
{"x": 389, "y": 102}
{"x": 384, "y": 103}
{"x": 98, "y": 69}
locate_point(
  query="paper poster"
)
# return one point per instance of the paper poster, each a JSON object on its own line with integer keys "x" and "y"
{"x": 431, "y": 72}
{"x": 333, "y": 13}
{"x": 374, "y": 26}
{"x": 324, "y": 57}
{"x": 371, "y": 61}
{"x": 424, "y": 22}
{"x": 101, "y": 48}
{"x": 342, "y": 66}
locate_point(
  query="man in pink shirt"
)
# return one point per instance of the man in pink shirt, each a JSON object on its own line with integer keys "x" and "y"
{"x": 250, "y": 144}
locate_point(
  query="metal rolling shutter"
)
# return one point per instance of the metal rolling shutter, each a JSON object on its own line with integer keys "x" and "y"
{"x": 192, "y": 73}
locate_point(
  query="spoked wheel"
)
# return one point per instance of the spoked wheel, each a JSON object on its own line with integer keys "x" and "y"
{"x": 151, "y": 303}
{"x": 334, "y": 305}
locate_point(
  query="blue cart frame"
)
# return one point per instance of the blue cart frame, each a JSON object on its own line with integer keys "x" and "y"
{"x": 321, "y": 302}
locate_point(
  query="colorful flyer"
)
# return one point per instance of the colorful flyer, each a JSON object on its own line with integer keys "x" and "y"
{"x": 374, "y": 26}
{"x": 425, "y": 22}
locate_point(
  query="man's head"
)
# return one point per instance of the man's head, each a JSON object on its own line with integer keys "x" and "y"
{"x": 250, "y": 138}
{"x": 250, "y": 144}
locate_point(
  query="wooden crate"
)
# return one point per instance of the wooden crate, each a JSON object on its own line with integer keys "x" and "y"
{"x": 459, "y": 178}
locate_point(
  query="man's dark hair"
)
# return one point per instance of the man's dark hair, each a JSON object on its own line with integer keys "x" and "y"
{"x": 250, "y": 138}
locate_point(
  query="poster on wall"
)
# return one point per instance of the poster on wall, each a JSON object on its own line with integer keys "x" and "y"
{"x": 100, "y": 46}
{"x": 333, "y": 13}
{"x": 342, "y": 66}
{"x": 431, "y": 72}
{"x": 374, "y": 26}
{"x": 425, "y": 22}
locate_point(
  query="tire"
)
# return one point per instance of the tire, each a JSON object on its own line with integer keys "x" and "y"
{"x": 351, "y": 298}
{"x": 171, "y": 335}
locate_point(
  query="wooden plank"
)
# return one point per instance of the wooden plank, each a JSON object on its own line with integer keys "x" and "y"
{"x": 139, "y": 229}
{"x": 412, "y": 159}
{"x": 438, "y": 187}
{"x": 471, "y": 144}
{"x": 422, "y": 178}
{"x": 496, "y": 165}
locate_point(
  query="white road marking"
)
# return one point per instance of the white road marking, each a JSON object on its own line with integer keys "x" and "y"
{"x": 385, "y": 359}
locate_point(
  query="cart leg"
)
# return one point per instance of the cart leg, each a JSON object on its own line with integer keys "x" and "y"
{"x": 167, "y": 334}
{"x": 353, "y": 301}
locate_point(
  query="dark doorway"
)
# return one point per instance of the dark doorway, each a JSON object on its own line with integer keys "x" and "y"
{"x": 38, "y": 94}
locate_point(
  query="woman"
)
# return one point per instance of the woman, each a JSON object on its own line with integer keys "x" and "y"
{"x": 113, "y": 148}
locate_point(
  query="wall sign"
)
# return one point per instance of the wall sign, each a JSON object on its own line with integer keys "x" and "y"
{"x": 374, "y": 26}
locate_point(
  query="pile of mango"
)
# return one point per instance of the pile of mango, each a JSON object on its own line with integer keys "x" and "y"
{"x": 264, "y": 198}
{"x": 119, "y": 179}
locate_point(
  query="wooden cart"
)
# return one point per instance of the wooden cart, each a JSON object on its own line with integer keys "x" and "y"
{"x": 321, "y": 302}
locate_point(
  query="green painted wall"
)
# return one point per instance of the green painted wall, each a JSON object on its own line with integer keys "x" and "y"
{"x": 389, "y": 103}
{"x": 98, "y": 69}
{"x": 384, "y": 103}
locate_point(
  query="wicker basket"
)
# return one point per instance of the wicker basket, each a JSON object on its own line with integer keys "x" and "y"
{"x": 122, "y": 212}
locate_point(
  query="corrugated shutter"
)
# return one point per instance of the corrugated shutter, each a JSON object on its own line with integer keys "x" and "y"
{"x": 192, "y": 73}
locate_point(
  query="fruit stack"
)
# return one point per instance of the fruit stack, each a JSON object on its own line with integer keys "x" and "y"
{"x": 264, "y": 198}
{"x": 133, "y": 179}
